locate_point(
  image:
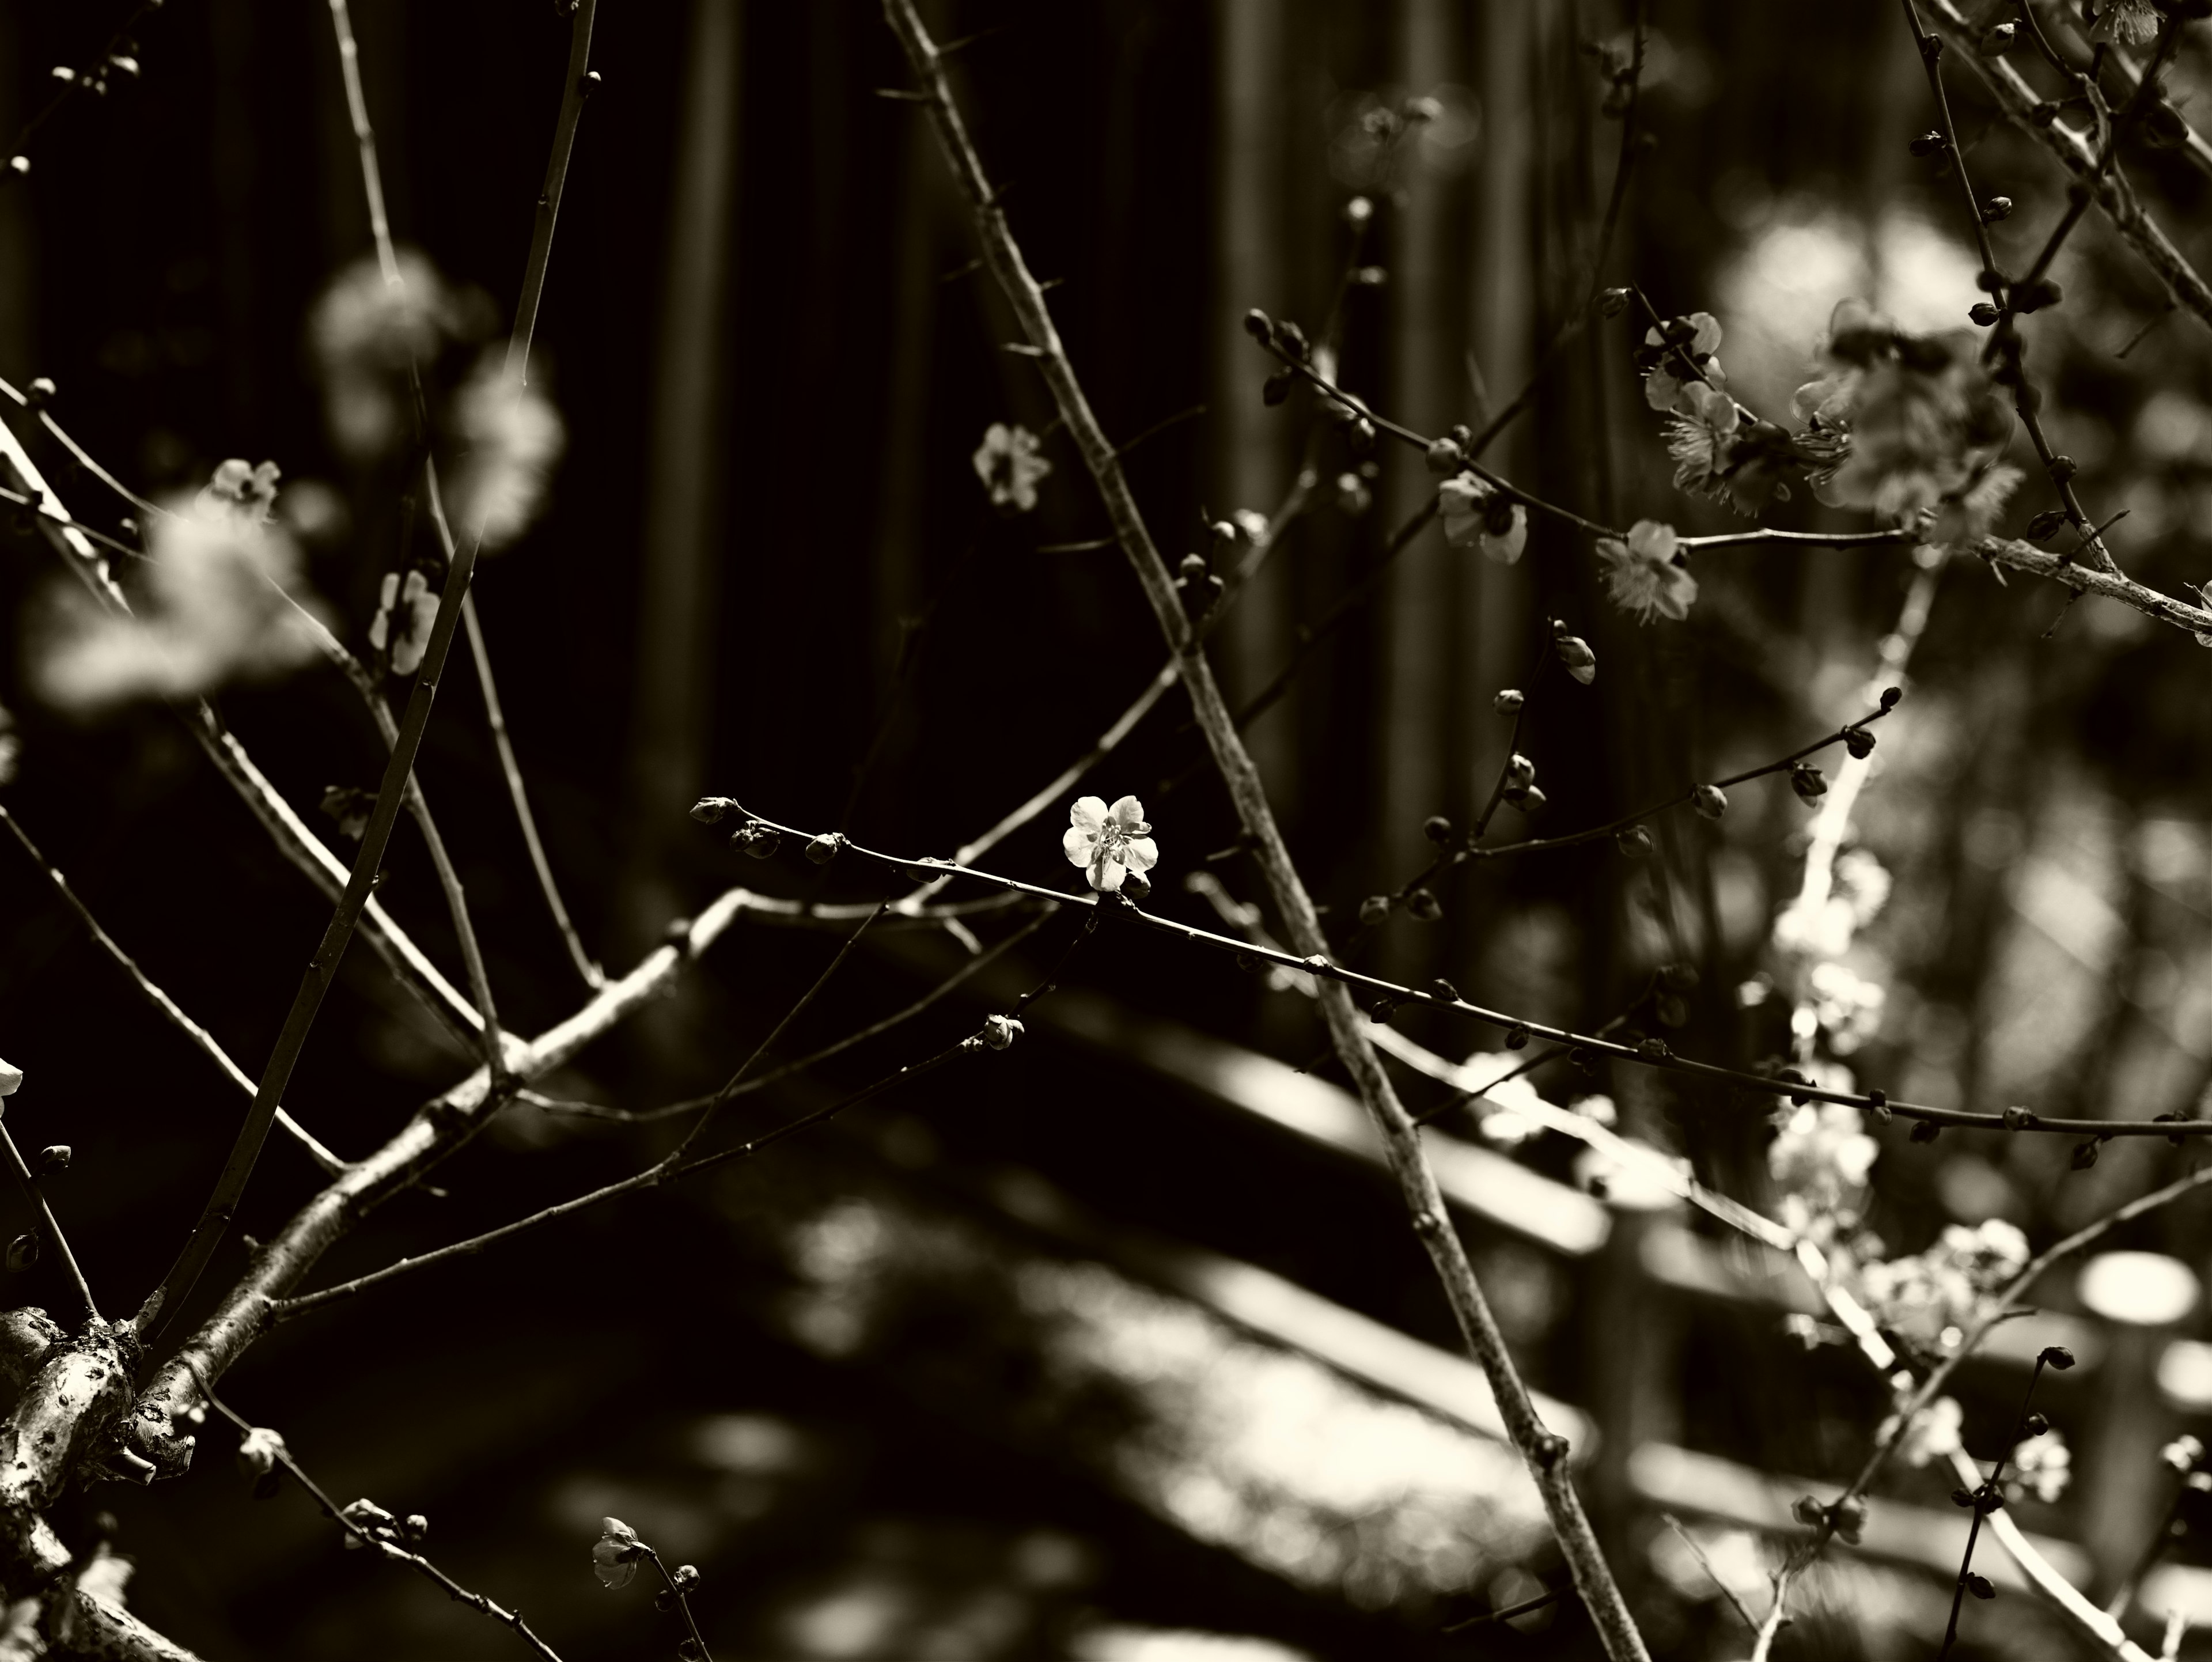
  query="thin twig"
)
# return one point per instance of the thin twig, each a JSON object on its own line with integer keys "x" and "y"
{"x": 161, "y": 1001}
{"x": 49, "y": 1228}
{"x": 214, "y": 1218}
{"x": 390, "y": 1549}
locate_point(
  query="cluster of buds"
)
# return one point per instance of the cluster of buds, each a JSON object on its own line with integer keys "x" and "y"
{"x": 998, "y": 1033}
{"x": 372, "y": 1522}
{"x": 1845, "y": 1518}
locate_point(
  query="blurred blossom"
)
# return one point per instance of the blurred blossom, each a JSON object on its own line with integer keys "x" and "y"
{"x": 2131, "y": 22}
{"x": 1009, "y": 463}
{"x": 1645, "y": 577}
{"x": 365, "y": 334}
{"x": 1858, "y": 890}
{"x": 512, "y": 436}
{"x": 1819, "y": 1161}
{"x": 213, "y": 609}
{"x": 1908, "y": 427}
{"x": 10, "y": 747}
{"x": 2042, "y": 1467}
{"x": 1933, "y": 1434}
{"x": 1951, "y": 1285}
{"x": 406, "y": 611}
{"x": 1847, "y": 1007}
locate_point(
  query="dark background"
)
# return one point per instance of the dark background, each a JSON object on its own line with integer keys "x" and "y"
{"x": 774, "y": 365}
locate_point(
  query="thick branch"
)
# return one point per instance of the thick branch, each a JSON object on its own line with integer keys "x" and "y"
{"x": 1543, "y": 1451}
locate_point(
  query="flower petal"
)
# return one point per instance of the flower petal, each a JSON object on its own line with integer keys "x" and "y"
{"x": 1106, "y": 870}
{"x": 1089, "y": 813}
{"x": 1075, "y": 843}
{"x": 1142, "y": 853}
{"x": 1129, "y": 812}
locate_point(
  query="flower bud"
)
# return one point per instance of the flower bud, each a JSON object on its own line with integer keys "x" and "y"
{"x": 2048, "y": 523}
{"x": 1526, "y": 798}
{"x": 1353, "y": 496}
{"x": 1809, "y": 1511}
{"x": 1443, "y": 989}
{"x": 414, "y": 1529}
{"x": 1981, "y": 314}
{"x": 1374, "y": 910}
{"x": 823, "y": 848}
{"x": 1277, "y": 388}
{"x": 1192, "y": 567}
{"x": 1710, "y": 800}
{"x": 2035, "y": 1425}
{"x": 1001, "y": 1031}
{"x": 1258, "y": 325}
{"x": 1518, "y": 1038}
{"x": 1926, "y": 1131}
{"x": 1978, "y": 1584}
{"x": 1136, "y": 885}
{"x": 1996, "y": 208}
{"x": 1997, "y": 41}
{"x": 758, "y": 840}
{"x": 709, "y": 809}
{"x": 1360, "y": 437}
{"x": 1635, "y": 842}
{"x": 42, "y": 391}
{"x": 11, "y": 1080}
{"x": 1575, "y": 652}
{"x": 1424, "y": 907}
{"x": 51, "y": 1160}
{"x": 1927, "y": 144}
{"x": 1444, "y": 457}
{"x": 22, "y": 1253}
{"x": 1809, "y": 782}
{"x": 1613, "y": 302}
{"x": 1520, "y": 771}
{"x": 1859, "y": 742}
{"x": 1294, "y": 338}
{"x": 1509, "y": 701}
{"x": 1891, "y": 696}
{"x": 1437, "y": 828}
{"x": 2058, "y": 1356}
{"x": 18, "y": 168}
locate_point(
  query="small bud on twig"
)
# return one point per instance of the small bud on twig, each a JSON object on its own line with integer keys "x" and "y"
{"x": 22, "y": 1253}
{"x": 1710, "y": 800}
{"x": 52, "y": 1160}
{"x": 1509, "y": 701}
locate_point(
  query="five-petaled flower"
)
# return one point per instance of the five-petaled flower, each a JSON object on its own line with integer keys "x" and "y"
{"x": 1009, "y": 465}
{"x": 615, "y": 1554}
{"x": 1109, "y": 844}
{"x": 1474, "y": 511}
{"x": 1644, "y": 573}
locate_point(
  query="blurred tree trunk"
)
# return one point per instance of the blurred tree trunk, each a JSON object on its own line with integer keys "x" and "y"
{"x": 672, "y": 697}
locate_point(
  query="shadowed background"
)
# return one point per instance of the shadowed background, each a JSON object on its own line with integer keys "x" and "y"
{"x": 1085, "y": 1349}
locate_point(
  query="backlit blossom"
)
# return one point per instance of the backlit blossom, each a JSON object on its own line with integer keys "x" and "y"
{"x": 366, "y": 334}
{"x": 11, "y": 1080}
{"x": 1700, "y": 434}
{"x": 258, "y": 1451}
{"x": 2131, "y": 22}
{"x": 1476, "y": 512}
{"x": 1109, "y": 844}
{"x": 615, "y": 1556}
{"x": 1667, "y": 376}
{"x": 1644, "y": 574}
{"x": 1009, "y": 465}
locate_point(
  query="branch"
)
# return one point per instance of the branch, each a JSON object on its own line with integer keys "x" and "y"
{"x": 387, "y": 261}
{"x": 408, "y": 965}
{"x": 1540, "y": 1447}
{"x": 2020, "y": 101}
{"x": 390, "y": 1549}
{"x": 442, "y": 1126}
{"x": 161, "y": 1001}
{"x": 215, "y": 1217}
